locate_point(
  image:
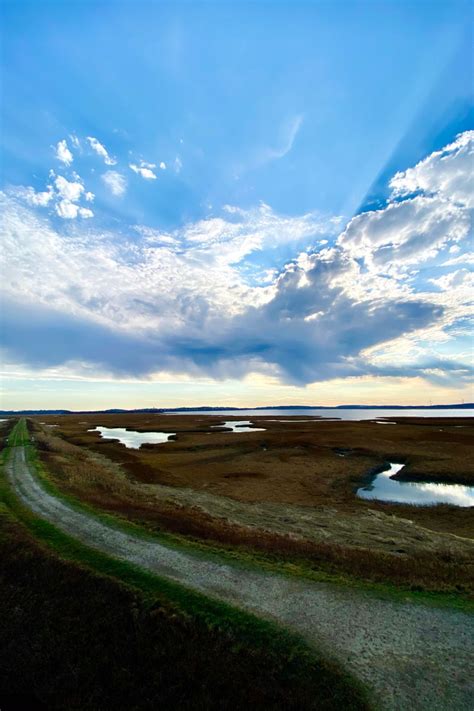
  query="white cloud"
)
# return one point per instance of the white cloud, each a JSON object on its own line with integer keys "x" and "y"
{"x": 181, "y": 301}
{"x": 67, "y": 209}
{"x": 173, "y": 277}
{"x": 154, "y": 236}
{"x": 85, "y": 212}
{"x": 288, "y": 133}
{"x": 187, "y": 308}
{"x": 250, "y": 231}
{"x": 467, "y": 258}
{"x": 285, "y": 138}
{"x": 404, "y": 233}
{"x": 460, "y": 279}
{"x": 101, "y": 150}
{"x": 163, "y": 165}
{"x": 63, "y": 153}
{"x": 68, "y": 190}
{"x": 62, "y": 197}
{"x": 428, "y": 210}
{"x": 37, "y": 199}
{"x": 446, "y": 173}
{"x": 178, "y": 164}
{"x": 144, "y": 170}
{"x": 115, "y": 182}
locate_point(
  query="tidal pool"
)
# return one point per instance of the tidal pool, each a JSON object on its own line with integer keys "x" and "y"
{"x": 240, "y": 426}
{"x": 131, "y": 438}
{"x": 384, "y": 488}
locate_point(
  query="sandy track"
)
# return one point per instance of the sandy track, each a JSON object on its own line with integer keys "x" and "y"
{"x": 410, "y": 656}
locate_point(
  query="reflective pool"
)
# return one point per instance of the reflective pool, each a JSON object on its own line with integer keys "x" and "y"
{"x": 240, "y": 426}
{"x": 131, "y": 438}
{"x": 335, "y": 412}
{"x": 384, "y": 488}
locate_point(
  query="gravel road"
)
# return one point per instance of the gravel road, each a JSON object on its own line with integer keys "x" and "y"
{"x": 409, "y": 656}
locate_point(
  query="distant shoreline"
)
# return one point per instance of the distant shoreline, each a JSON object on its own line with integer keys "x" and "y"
{"x": 207, "y": 408}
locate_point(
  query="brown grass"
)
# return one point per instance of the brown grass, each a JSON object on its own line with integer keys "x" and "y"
{"x": 295, "y": 463}
{"x": 110, "y": 486}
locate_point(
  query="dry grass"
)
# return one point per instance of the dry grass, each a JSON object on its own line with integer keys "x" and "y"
{"x": 297, "y": 464}
{"x": 365, "y": 542}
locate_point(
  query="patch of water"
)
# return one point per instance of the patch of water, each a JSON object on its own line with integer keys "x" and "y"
{"x": 384, "y": 488}
{"x": 290, "y": 420}
{"x": 131, "y": 438}
{"x": 331, "y": 413}
{"x": 240, "y": 426}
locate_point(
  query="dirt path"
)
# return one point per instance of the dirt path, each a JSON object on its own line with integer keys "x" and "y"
{"x": 410, "y": 656}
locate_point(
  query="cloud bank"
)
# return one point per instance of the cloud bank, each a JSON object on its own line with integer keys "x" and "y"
{"x": 382, "y": 296}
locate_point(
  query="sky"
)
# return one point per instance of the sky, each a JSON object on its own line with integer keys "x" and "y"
{"x": 236, "y": 203}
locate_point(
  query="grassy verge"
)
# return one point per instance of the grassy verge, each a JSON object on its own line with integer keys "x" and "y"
{"x": 81, "y": 630}
{"x": 425, "y": 579}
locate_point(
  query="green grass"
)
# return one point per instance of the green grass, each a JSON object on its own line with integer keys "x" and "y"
{"x": 241, "y": 655}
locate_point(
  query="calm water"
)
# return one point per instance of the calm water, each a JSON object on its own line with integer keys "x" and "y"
{"x": 274, "y": 420}
{"x": 240, "y": 426}
{"x": 333, "y": 414}
{"x": 132, "y": 439}
{"x": 383, "y": 488}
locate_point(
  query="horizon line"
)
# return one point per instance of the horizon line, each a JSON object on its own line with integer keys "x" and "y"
{"x": 182, "y": 408}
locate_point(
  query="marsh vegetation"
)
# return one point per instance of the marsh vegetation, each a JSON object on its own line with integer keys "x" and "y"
{"x": 82, "y": 631}
{"x": 284, "y": 493}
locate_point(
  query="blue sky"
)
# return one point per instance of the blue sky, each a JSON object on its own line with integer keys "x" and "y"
{"x": 236, "y": 202}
